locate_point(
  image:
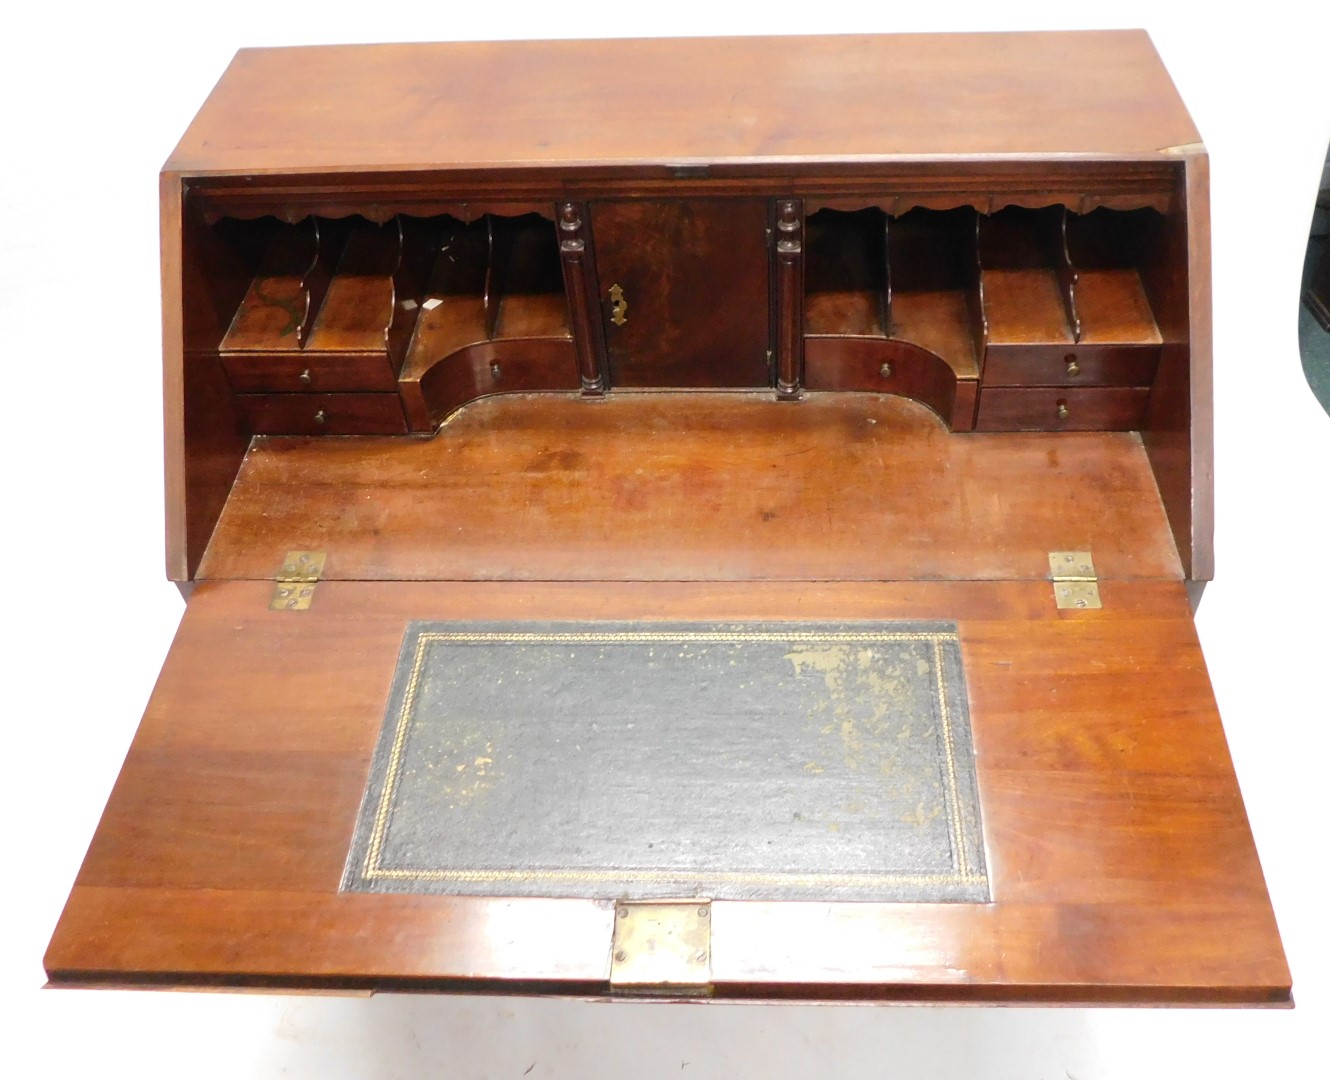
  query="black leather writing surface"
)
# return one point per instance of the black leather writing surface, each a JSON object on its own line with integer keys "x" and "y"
{"x": 786, "y": 761}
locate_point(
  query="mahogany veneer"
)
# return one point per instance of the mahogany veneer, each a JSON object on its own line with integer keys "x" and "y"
{"x": 827, "y": 328}
{"x": 696, "y": 487}
{"x": 1121, "y": 862}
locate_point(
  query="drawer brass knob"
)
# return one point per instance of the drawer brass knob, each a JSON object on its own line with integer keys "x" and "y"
{"x": 320, "y": 417}
{"x": 495, "y": 371}
{"x": 305, "y": 377}
{"x": 885, "y": 371}
{"x": 1063, "y": 411}
{"x": 1073, "y": 368}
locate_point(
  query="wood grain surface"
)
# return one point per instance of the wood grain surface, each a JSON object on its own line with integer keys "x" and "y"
{"x": 1121, "y": 860}
{"x": 1062, "y": 408}
{"x": 892, "y": 121}
{"x": 1076, "y": 365}
{"x": 1113, "y": 308}
{"x": 1179, "y": 431}
{"x": 849, "y": 98}
{"x": 656, "y": 486}
{"x": 319, "y": 414}
{"x": 1122, "y": 864}
{"x": 891, "y": 366}
{"x": 694, "y": 277}
{"x": 1024, "y": 306}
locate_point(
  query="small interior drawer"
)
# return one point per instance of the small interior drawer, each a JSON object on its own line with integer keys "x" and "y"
{"x": 1070, "y": 365}
{"x": 308, "y": 373}
{"x": 323, "y": 414}
{"x": 1099, "y": 408}
{"x": 886, "y": 366}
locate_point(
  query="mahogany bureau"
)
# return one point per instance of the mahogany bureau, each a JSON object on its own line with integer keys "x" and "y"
{"x": 771, "y": 329}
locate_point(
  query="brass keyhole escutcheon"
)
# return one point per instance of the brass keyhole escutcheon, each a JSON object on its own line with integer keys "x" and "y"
{"x": 618, "y": 306}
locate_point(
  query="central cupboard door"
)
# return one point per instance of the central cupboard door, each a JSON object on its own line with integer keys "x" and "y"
{"x": 684, "y": 291}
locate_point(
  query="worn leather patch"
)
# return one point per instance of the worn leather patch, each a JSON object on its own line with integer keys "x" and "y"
{"x": 782, "y": 761}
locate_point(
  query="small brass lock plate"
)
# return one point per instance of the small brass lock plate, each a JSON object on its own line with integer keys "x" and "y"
{"x": 661, "y": 947}
{"x": 296, "y": 580}
{"x": 618, "y": 306}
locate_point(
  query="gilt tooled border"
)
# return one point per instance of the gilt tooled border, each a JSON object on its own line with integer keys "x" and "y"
{"x": 963, "y": 874}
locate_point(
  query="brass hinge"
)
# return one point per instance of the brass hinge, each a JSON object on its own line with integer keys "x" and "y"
{"x": 661, "y": 947}
{"x": 1075, "y": 584}
{"x": 296, "y": 580}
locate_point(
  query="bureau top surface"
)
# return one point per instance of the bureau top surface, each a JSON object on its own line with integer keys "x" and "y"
{"x": 718, "y": 101}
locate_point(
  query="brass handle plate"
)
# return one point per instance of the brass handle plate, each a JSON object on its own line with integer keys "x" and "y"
{"x": 618, "y": 306}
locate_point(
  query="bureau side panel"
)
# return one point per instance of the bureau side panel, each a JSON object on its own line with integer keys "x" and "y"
{"x": 1179, "y": 426}
{"x": 1202, "y": 371}
{"x": 205, "y": 438}
{"x": 173, "y": 381}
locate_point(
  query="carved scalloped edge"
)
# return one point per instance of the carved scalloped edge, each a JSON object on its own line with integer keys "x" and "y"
{"x": 991, "y": 203}
{"x": 294, "y": 211}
